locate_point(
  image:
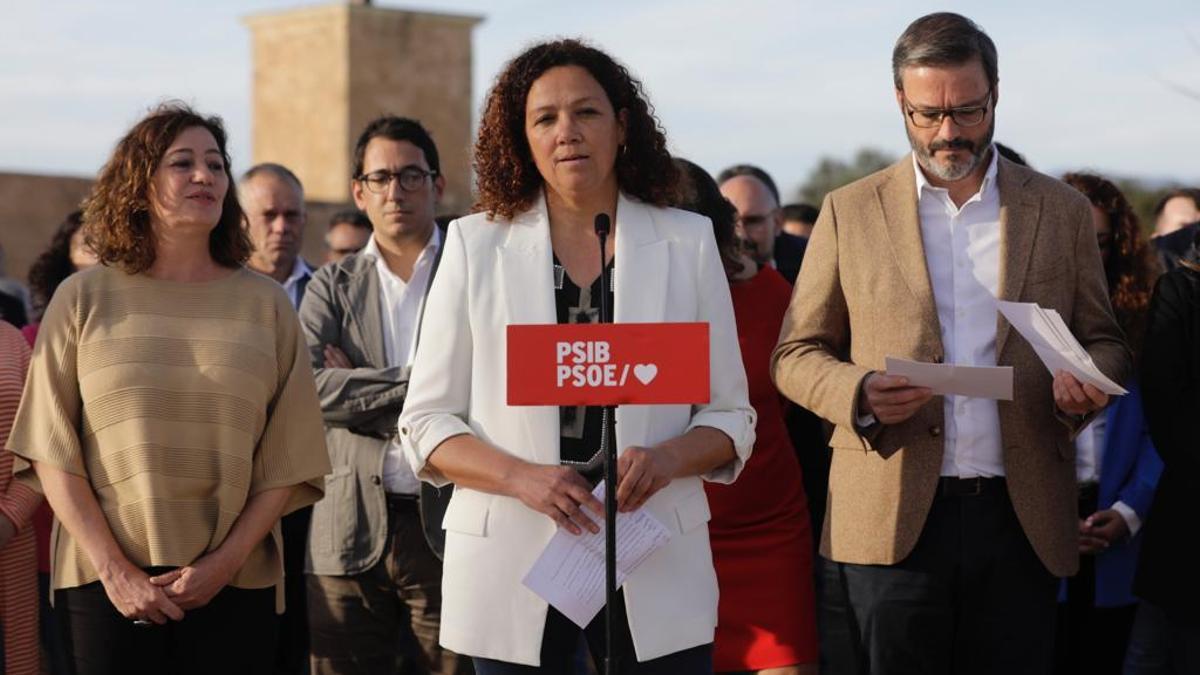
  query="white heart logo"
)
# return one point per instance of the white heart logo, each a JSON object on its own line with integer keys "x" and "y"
{"x": 645, "y": 372}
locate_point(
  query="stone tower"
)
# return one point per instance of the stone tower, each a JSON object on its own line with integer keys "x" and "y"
{"x": 321, "y": 73}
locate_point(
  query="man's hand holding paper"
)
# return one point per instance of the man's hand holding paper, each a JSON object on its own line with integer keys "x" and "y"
{"x": 1079, "y": 386}
{"x": 1058, "y": 349}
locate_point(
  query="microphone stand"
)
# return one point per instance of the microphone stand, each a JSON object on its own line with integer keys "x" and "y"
{"x": 608, "y": 448}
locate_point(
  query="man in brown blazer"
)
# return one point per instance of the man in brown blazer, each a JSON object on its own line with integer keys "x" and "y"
{"x": 949, "y": 518}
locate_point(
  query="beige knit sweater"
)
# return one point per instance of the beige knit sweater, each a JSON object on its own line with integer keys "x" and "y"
{"x": 177, "y": 401}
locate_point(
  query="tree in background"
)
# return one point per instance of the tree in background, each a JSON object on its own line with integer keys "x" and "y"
{"x": 832, "y": 173}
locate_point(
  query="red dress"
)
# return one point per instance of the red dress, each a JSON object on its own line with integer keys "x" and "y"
{"x": 761, "y": 538}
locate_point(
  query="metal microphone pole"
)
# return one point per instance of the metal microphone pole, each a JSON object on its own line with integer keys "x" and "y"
{"x": 608, "y": 446}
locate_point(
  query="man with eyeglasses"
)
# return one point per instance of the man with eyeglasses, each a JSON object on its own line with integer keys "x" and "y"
{"x": 374, "y": 582}
{"x": 760, "y": 222}
{"x": 949, "y": 517}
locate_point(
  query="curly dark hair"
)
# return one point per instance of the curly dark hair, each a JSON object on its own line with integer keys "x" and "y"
{"x": 698, "y": 193}
{"x": 1132, "y": 266}
{"x": 507, "y": 179}
{"x": 116, "y": 215}
{"x": 54, "y": 264}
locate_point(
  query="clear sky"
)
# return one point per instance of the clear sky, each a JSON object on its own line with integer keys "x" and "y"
{"x": 774, "y": 82}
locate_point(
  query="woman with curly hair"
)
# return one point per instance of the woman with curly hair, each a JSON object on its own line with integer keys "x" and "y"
{"x": 170, "y": 417}
{"x": 568, "y": 134}
{"x": 67, "y": 254}
{"x": 1116, "y": 464}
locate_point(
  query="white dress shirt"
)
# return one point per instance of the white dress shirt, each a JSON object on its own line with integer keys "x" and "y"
{"x": 400, "y": 311}
{"x": 1089, "y": 462}
{"x": 291, "y": 285}
{"x": 962, "y": 254}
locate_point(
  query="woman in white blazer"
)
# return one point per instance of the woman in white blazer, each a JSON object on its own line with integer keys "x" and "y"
{"x": 568, "y": 134}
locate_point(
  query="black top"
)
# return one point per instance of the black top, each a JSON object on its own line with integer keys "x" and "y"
{"x": 580, "y": 426}
{"x": 1167, "y": 576}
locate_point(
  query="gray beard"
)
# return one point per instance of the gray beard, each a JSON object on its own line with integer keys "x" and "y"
{"x": 951, "y": 171}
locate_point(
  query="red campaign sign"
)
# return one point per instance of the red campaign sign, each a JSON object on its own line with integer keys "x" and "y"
{"x": 608, "y": 364}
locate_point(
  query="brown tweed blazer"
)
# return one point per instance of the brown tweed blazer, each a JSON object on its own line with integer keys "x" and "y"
{"x": 864, "y": 294}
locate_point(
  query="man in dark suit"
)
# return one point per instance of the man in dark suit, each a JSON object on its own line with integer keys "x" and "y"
{"x": 272, "y": 199}
{"x": 760, "y": 221}
{"x": 374, "y": 579}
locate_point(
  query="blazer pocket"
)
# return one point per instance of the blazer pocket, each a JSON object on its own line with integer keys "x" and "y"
{"x": 846, "y": 438}
{"x": 335, "y": 517}
{"x": 692, "y": 511}
{"x": 467, "y": 512}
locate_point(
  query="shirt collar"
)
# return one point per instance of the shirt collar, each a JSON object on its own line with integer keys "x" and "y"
{"x": 989, "y": 177}
{"x": 300, "y": 269}
{"x": 431, "y": 247}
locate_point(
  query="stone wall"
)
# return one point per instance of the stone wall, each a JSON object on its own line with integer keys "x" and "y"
{"x": 299, "y": 93}
{"x": 32, "y": 206}
{"x": 322, "y": 73}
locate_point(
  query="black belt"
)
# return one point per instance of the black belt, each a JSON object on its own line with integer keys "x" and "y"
{"x": 401, "y": 502}
{"x": 948, "y": 486}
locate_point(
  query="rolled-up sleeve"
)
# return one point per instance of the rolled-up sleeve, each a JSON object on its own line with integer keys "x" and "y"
{"x": 439, "y": 388}
{"x": 728, "y": 409}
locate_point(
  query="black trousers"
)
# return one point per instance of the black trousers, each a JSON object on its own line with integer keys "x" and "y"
{"x": 972, "y": 597}
{"x": 1090, "y": 640}
{"x": 291, "y": 655}
{"x": 233, "y": 635}
{"x": 560, "y": 645}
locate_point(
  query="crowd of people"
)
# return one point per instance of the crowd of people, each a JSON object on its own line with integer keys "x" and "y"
{"x": 221, "y": 458}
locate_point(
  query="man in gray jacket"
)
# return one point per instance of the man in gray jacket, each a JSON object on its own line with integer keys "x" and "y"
{"x": 374, "y": 582}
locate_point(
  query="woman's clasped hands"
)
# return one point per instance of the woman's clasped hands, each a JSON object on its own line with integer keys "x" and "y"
{"x": 564, "y": 495}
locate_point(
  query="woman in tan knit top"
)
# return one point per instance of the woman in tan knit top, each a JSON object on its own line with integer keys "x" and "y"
{"x": 170, "y": 417}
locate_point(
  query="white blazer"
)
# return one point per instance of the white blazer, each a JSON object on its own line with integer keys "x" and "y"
{"x": 496, "y": 273}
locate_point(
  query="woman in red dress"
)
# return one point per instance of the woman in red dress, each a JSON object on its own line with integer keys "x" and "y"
{"x": 760, "y": 531}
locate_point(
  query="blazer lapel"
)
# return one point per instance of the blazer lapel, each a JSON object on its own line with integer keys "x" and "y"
{"x": 1020, "y": 216}
{"x": 640, "y": 290}
{"x": 361, "y": 288}
{"x": 897, "y": 199}
{"x": 527, "y": 279}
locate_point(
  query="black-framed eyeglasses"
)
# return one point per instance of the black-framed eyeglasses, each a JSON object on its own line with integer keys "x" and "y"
{"x": 411, "y": 179}
{"x": 963, "y": 116}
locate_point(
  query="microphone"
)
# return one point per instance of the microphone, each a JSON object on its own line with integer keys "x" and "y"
{"x": 608, "y": 448}
{"x": 603, "y": 225}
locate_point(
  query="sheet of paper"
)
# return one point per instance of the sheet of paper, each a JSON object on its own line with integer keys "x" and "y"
{"x": 570, "y": 572}
{"x": 943, "y": 378}
{"x": 1054, "y": 344}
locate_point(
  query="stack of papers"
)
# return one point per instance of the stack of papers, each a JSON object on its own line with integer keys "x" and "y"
{"x": 570, "y": 572}
{"x": 1058, "y": 349}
